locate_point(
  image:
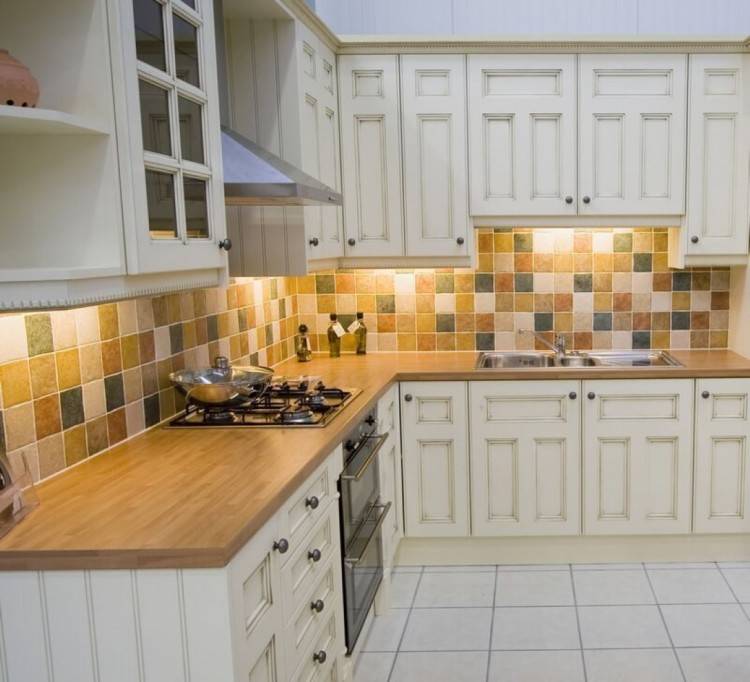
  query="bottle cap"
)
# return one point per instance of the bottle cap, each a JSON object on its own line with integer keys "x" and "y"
{"x": 360, "y": 315}
{"x": 303, "y": 329}
{"x": 334, "y": 316}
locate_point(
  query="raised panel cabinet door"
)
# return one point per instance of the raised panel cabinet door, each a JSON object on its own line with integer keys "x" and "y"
{"x": 371, "y": 155}
{"x": 433, "y": 101}
{"x": 631, "y": 132}
{"x": 718, "y": 153}
{"x": 637, "y": 456}
{"x": 525, "y": 457}
{"x": 391, "y": 482}
{"x": 522, "y": 134}
{"x": 722, "y": 432}
{"x": 435, "y": 457}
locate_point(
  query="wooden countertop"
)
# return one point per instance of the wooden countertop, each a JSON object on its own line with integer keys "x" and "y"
{"x": 193, "y": 498}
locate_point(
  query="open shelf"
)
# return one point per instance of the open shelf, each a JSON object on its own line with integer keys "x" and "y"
{"x": 27, "y": 121}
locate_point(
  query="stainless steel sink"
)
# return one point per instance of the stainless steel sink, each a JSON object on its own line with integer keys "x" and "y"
{"x": 625, "y": 358}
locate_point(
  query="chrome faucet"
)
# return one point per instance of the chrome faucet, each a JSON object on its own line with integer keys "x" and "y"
{"x": 558, "y": 347}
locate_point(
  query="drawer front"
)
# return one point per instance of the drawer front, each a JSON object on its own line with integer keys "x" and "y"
{"x": 330, "y": 642}
{"x": 310, "y": 502}
{"x": 387, "y": 410}
{"x": 301, "y": 571}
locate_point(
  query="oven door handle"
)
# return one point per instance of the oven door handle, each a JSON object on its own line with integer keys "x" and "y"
{"x": 363, "y": 467}
{"x": 383, "y": 508}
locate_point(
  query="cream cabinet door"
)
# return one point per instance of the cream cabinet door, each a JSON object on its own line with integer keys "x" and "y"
{"x": 371, "y": 155}
{"x": 391, "y": 481}
{"x": 722, "y": 479}
{"x": 433, "y": 100}
{"x": 435, "y": 458}
{"x": 637, "y": 456}
{"x": 525, "y": 457}
{"x": 632, "y": 118}
{"x": 719, "y": 155}
{"x": 522, "y": 134}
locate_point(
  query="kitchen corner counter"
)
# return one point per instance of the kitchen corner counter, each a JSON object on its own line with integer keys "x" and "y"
{"x": 192, "y": 498}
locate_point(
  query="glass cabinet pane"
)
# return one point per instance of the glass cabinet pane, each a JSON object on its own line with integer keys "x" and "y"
{"x": 186, "y": 50}
{"x": 162, "y": 219}
{"x": 191, "y": 130}
{"x": 196, "y": 208}
{"x": 149, "y": 33}
{"x": 155, "y": 118}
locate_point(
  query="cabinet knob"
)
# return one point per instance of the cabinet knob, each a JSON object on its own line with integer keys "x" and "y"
{"x": 320, "y": 656}
{"x": 351, "y": 241}
{"x": 281, "y": 546}
{"x": 226, "y": 244}
{"x": 695, "y": 239}
{"x": 591, "y": 395}
{"x": 459, "y": 241}
{"x": 318, "y": 605}
{"x": 572, "y": 395}
{"x": 314, "y": 555}
{"x": 587, "y": 199}
{"x": 408, "y": 397}
{"x": 370, "y": 420}
{"x": 569, "y": 199}
{"x": 705, "y": 395}
{"x": 312, "y": 502}
{"x": 314, "y": 241}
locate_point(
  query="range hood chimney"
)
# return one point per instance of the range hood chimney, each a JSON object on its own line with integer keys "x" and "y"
{"x": 253, "y": 176}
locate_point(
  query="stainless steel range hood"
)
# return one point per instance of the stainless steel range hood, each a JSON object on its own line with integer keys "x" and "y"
{"x": 253, "y": 176}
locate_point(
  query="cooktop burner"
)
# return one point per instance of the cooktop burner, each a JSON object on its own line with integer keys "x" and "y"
{"x": 292, "y": 402}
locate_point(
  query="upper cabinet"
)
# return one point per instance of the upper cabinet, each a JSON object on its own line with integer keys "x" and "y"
{"x": 522, "y": 134}
{"x": 632, "y": 118}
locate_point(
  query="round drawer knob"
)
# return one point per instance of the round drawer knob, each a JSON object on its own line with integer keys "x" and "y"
{"x": 591, "y": 395}
{"x": 281, "y": 546}
{"x": 225, "y": 244}
{"x": 314, "y": 241}
{"x": 705, "y": 395}
{"x": 587, "y": 199}
{"x": 408, "y": 397}
{"x": 320, "y": 656}
{"x": 318, "y": 605}
{"x": 351, "y": 241}
{"x": 460, "y": 241}
{"x": 572, "y": 395}
{"x": 312, "y": 502}
{"x": 568, "y": 199}
{"x": 314, "y": 555}
{"x": 695, "y": 239}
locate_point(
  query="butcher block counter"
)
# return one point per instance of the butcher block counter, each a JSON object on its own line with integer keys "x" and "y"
{"x": 193, "y": 497}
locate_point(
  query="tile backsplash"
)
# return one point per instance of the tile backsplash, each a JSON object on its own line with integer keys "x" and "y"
{"x": 74, "y": 383}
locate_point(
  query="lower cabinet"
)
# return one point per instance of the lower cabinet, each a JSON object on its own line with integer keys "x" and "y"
{"x": 391, "y": 488}
{"x": 722, "y": 476}
{"x": 637, "y": 456}
{"x": 525, "y": 457}
{"x": 435, "y": 458}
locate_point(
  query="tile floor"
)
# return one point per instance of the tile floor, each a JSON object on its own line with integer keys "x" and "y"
{"x": 563, "y": 623}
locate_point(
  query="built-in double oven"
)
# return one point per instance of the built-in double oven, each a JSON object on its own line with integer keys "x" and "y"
{"x": 362, "y": 516}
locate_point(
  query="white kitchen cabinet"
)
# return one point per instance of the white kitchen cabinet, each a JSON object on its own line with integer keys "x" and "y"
{"x": 371, "y": 155}
{"x": 637, "y": 456}
{"x": 632, "y": 132}
{"x": 525, "y": 457}
{"x": 435, "y": 455}
{"x": 433, "y": 120}
{"x": 715, "y": 227}
{"x": 522, "y": 134}
{"x": 391, "y": 483}
{"x": 722, "y": 475}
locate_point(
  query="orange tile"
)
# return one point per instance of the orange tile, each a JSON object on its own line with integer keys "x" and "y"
{"x": 426, "y": 342}
{"x": 485, "y": 242}
{"x": 660, "y": 339}
{"x": 563, "y": 262}
{"x": 485, "y": 322}
{"x": 326, "y": 303}
{"x": 524, "y": 303}
{"x": 622, "y": 262}
{"x": 446, "y": 341}
{"x": 582, "y": 262}
{"x": 582, "y": 341}
{"x": 425, "y": 303}
{"x": 43, "y": 375}
{"x": 108, "y": 324}
{"x": 563, "y": 303}
{"x": 503, "y": 242}
{"x": 486, "y": 262}
{"x": 425, "y": 323}
{"x": 622, "y": 301}
{"x": 544, "y": 303}
{"x": 384, "y": 283}
{"x": 407, "y": 342}
{"x": 345, "y": 284}
{"x": 641, "y": 321}
{"x": 661, "y": 242}
{"x": 463, "y": 283}
{"x": 504, "y": 302}
{"x": 465, "y": 341}
{"x": 116, "y": 426}
{"x": 602, "y": 302}
{"x": 504, "y": 281}
{"x": 365, "y": 282}
{"x": 386, "y": 323}
{"x": 660, "y": 262}
{"x": 464, "y": 303}
{"x": 47, "y": 416}
{"x": 405, "y": 322}
{"x": 15, "y": 382}
{"x": 464, "y": 322}
{"x": 544, "y": 262}
{"x": 306, "y": 284}
{"x": 603, "y": 262}
{"x": 524, "y": 262}
{"x": 425, "y": 282}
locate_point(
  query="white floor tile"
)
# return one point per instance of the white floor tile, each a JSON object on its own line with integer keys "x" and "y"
{"x": 607, "y": 567}
{"x": 406, "y": 569}
{"x": 536, "y": 666}
{"x": 532, "y": 567}
{"x": 403, "y": 586}
{"x": 385, "y": 631}
{"x": 455, "y": 589}
{"x": 739, "y": 579}
{"x": 534, "y": 588}
{"x": 483, "y": 568}
{"x": 715, "y": 665}
{"x": 734, "y": 564}
{"x": 442, "y": 666}
{"x": 612, "y": 587}
{"x": 658, "y": 565}
{"x": 632, "y": 665}
{"x": 537, "y": 627}
{"x": 447, "y": 630}
{"x": 747, "y": 609}
{"x": 707, "y": 625}
{"x": 621, "y": 627}
{"x": 373, "y": 667}
{"x": 705, "y": 586}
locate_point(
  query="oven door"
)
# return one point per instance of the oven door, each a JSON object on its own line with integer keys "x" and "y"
{"x": 363, "y": 571}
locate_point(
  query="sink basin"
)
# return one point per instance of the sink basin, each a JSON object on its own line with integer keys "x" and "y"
{"x": 624, "y": 358}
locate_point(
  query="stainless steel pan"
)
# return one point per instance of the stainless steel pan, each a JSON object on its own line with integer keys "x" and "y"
{"x": 222, "y": 383}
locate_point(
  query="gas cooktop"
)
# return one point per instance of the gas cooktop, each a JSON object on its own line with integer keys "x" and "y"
{"x": 287, "y": 402}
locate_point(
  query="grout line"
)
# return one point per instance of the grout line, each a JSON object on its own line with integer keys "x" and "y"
{"x": 731, "y": 589}
{"x": 578, "y": 623}
{"x": 664, "y": 623}
{"x": 492, "y": 628}
{"x": 406, "y": 624}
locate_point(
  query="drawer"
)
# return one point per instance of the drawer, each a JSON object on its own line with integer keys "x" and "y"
{"x": 387, "y": 410}
{"x": 307, "y": 621}
{"x": 302, "y": 572}
{"x": 310, "y": 501}
{"x": 330, "y": 644}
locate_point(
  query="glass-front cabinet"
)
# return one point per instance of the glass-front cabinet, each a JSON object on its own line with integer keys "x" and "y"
{"x": 173, "y": 141}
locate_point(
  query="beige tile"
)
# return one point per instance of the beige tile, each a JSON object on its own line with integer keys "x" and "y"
{"x": 97, "y": 438}
{"x": 19, "y": 426}
{"x": 144, "y": 314}
{"x": 87, "y": 324}
{"x": 132, "y": 382}
{"x": 13, "y": 334}
{"x": 94, "y": 402}
{"x": 134, "y": 418}
{"x": 127, "y": 317}
{"x": 15, "y": 383}
{"x": 69, "y": 367}
{"x": 43, "y": 375}
{"x": 51, "y": 455}
{"x": 74, "y": 441}
{"x": 24, "y": 460}
{"x": 64, "y": 334}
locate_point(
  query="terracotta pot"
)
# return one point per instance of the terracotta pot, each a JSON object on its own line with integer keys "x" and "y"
{"x": 17, "y": 86}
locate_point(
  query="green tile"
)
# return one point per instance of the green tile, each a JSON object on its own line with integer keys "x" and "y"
{"x": 623, "y": 242}
{"x": 71, "y": 407}
{"x": 444, "y": 283}
{"x": 524, "y": 282}
{"x": 445, "y": 322}
{"x": 325, "y": 284}
{"x": 484, "y": 282}
{"x": 583, "y": 282}
{"x": 485, "y": 341}
{"x": 39, "y": 333}
{"x": 523, "y": 242}
{"x": 642, "y": 262}
{"x": 386, "y": 303}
